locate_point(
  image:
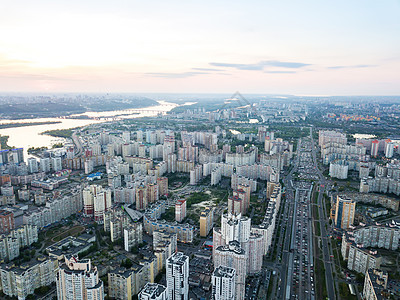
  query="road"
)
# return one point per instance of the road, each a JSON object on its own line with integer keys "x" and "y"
{"x": 288, "y": 217}
{"x": 298, "y": 277}
{"x": 323, "y": 217}
{"x": 78, "y": 144}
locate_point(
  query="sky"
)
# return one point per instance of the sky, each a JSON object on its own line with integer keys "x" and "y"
{"x": 186, "y": 46}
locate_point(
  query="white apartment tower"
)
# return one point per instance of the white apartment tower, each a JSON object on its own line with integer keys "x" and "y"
{"x": 56, "y": 164}
{"x": 178, "y": 276}
{"x": 389, "y": 148}
{"x": 32, "y": 165}
{"x": 45, "y": 164}
{"x": 223, "y": 283}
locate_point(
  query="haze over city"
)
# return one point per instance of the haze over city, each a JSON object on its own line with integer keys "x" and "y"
{"x": 286, "y": 47}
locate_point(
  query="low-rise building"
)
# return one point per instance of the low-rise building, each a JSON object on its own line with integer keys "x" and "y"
{"x": 70, "y": 246}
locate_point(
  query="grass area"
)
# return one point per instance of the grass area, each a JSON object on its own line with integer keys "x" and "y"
{"x": 344, "y": 291}
{"x": 169, "y": 214}
{"x": 270, "y": 285}
{"x": 58, "y": 233}
{"x": 289, "y": 132}
{"x": 63, "y": 133}
{"x": 317, "y": 229}
{"x": 174, "y": 178}
{"x": 74, "y": 231}
{"x": 320, "y": 279}
{"x": 38, "y": 149}
{"x": 327, "y": 203}
{"x": 316, "y": 195}
{"x": 196, "y": 198}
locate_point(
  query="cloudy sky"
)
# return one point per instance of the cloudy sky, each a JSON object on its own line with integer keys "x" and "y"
{"x": 288, "y": 47}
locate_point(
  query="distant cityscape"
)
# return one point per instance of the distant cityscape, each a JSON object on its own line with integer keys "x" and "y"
{"x": 214, "y": 197}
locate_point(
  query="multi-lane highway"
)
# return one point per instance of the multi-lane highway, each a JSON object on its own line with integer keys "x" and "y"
{"x": 295, "y": 256}
{"x": 299, "y": 278}
{"x": 326, "y": 248}
{"x": 287, "y": 219}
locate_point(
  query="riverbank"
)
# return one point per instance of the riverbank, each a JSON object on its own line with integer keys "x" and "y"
{"x": 47, "y": 135}
{"x": 3, "y": 142}
{"x": 62, "y": 133}
{"x": 55, "y": 106}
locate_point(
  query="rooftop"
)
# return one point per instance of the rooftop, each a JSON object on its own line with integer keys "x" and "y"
{"x": 178, "y": 258}
{"x": 153, "y": 289}
{"x": 223, "y": 271}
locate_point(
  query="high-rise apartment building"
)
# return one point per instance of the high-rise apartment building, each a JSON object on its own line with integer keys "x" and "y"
{"x": 223, "y": 283}
{"x": 327, "y": 136}
{"x": 377, "y": 237}
{"x": 345, "y": 210}
{"x": 374, "y": 148}
{"x": 79, "y": 279}
{"x": 235, "y": 245}
{"x": 206, "y": 221}
{"x": 6, "y": 221}
{"x": 141, "y": 197}
{"x": 96, "y": 201}
{"x": 178, "y": 276}
{"x": 56, "y": 164}
{"x": 162, "y": 183}
{"x": 339, "y": 169}
{"x": 180, "y": 210}
{"x": 32, "y": 165}
{"x": 19, "y": 281}
{"x": 389, "y": 148}
{"x": 358, "y": 258}
{"x": 17, "y": 155}
{"x": 21, "y": 237}
{"x": 45, "y": 164}
{"x": 375, "y": 282}
{"x": 233, "y": 256}
{"x": 120, "y": 283}
{"x": 133, "y": 235}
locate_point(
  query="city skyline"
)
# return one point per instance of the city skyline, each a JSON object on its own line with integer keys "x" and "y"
{"x": 309, "y": 48}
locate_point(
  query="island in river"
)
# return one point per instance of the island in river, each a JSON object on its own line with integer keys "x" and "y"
{"x": 14, "y": 125}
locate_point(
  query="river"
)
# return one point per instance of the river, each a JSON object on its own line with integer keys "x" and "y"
{"x": 29, "y": 136}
